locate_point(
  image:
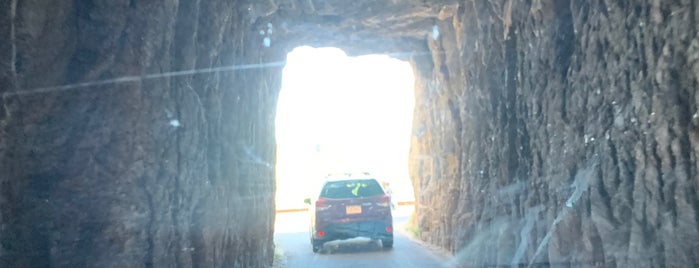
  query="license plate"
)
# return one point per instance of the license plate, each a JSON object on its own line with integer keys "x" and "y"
{"x": 353, "y": 210}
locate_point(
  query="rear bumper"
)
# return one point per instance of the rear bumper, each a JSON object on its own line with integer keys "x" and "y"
{"x": 370, "y": 229}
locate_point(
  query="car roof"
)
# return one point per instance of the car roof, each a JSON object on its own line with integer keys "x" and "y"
{"x": 350, "y": 179}
{"x": 349, "y": 176}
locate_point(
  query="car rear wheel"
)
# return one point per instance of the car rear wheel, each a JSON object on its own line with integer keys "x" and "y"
{"x": 316, "y": 246}
{"x": 387, "y": 243}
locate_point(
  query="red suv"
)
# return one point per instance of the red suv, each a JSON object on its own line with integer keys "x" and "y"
{"x": 349, "y": 208}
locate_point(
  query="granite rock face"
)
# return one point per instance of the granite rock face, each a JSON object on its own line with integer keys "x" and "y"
{"x": 145, "y": 167}
{"x": 545, "y": 133}
{"x": 561, "y": 133}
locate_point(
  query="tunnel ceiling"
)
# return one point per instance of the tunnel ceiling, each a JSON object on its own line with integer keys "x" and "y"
{"x": 358, "y": 27}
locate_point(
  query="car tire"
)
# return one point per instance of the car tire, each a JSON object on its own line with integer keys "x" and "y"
{"x": 387, "y": 243}
{"x": 317, "y": 246}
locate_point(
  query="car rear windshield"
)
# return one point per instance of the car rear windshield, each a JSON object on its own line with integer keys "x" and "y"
{"x": 351, "y": 189}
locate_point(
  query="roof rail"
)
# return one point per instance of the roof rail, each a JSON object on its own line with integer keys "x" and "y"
{"x": 348, "y": 174}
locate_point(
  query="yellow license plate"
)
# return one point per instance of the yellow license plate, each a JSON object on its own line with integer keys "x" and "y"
{"x": 353, "y": 210}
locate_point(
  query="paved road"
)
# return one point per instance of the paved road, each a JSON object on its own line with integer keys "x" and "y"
{"x": 291, "y": 237}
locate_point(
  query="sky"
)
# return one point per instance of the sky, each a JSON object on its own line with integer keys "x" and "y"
{"x": 338, "y": 113}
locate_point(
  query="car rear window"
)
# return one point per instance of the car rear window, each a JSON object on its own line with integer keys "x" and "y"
{"x": 351, "y": 189}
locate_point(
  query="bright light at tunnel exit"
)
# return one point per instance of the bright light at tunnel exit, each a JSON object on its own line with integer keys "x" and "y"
{"x": 337, "y": 113}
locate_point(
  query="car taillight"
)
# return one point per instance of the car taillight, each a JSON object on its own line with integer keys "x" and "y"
{"x": 321, "y": 205}
{"x": 389, "y": 229}
{"x": 321, "y": 233}
{"x": 385, "y": 201}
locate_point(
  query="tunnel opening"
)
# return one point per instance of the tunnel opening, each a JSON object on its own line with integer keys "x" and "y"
{"x": 337, "y": 113}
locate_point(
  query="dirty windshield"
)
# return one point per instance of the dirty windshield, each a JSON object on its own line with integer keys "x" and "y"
{"x": 497, "y": 133}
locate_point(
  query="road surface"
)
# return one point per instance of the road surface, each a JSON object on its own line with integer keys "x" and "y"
{"x": 291, "y": 238}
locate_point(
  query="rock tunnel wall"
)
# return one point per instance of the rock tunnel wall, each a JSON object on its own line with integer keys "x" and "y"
{"x": 143, "y": 168}
{"x": 561, "y": 133}
{"x": 114, "y": 153}
{"x": 546, "y": 132}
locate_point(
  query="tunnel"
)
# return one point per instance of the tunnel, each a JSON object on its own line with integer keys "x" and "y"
{"x": 545, "y": 132}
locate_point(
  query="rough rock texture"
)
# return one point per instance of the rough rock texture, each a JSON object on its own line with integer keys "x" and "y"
{"x": 394, "y": 27}
{"x": 115, "y": 154}
{"x": 150, "y": 171}
{"x": 561, "y": 133}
